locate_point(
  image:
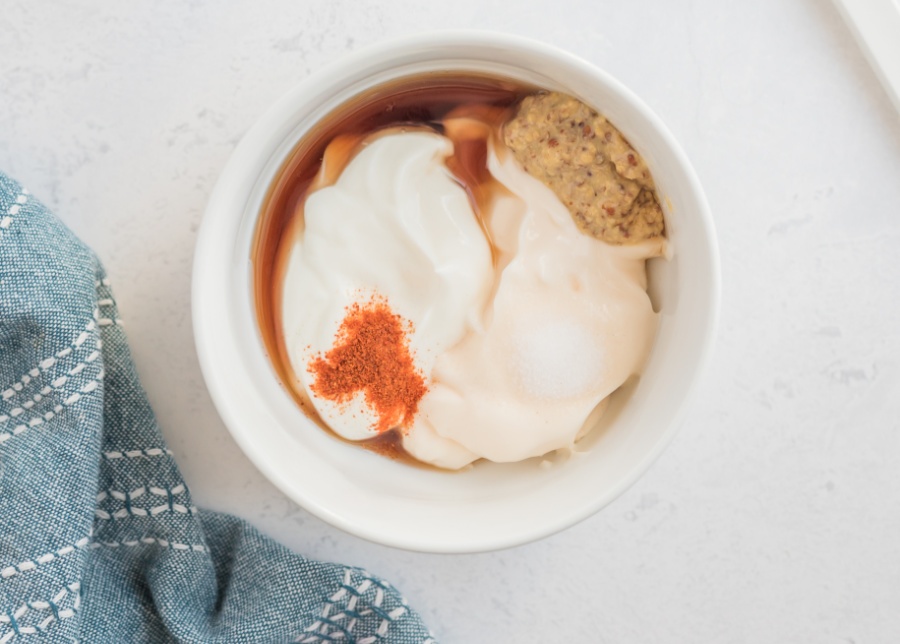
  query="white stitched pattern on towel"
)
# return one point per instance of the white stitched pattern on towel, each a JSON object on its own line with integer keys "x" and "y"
{"x": 5, "y": 436}
{"x": 165, "y": 543}
{"x": 29, "y": 564}
{"x": 110, "y": 321}
{"x": 337, "y": 622}
{"x": 38, "y": 605}
{"x": 50, "y": 360}
{"x": 7, "y": 220}
{"x": 137, "y": 453}
{"x": 56, "y": 384}
{"x": 129, "y": 509}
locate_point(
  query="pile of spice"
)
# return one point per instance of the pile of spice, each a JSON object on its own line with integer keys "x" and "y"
{"x": 371, "y": 355}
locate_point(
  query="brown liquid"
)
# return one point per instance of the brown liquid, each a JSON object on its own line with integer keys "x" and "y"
{"x": 425, "y": 100}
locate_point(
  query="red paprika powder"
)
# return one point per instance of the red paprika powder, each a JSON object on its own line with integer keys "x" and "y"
{"x": 371, "y": 354}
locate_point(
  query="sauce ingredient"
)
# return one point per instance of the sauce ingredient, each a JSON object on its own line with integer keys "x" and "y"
{"x": 395, "y": 223}
{"x": 590, "y": 166}
{"x": 371, "y": 355}
{"x": 569, "y": 321}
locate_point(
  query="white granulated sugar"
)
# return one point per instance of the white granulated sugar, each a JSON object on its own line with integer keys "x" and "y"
{"x": 557, "y": 360}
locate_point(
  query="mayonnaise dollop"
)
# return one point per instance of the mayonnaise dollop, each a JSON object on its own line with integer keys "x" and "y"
{"x": 570, "y": 321}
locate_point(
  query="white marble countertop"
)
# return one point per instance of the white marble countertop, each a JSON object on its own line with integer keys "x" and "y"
{"x": 773, "y": 516}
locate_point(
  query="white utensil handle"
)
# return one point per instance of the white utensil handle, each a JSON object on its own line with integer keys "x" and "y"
{"x": 876, "y": 25}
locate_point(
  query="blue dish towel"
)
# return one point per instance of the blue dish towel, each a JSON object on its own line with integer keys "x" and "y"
{"x": 99, "y": 538}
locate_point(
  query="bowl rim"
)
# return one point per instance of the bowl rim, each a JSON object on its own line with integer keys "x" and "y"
{"x": 245, "y": 156}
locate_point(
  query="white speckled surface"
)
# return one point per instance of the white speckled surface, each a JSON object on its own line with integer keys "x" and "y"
{"x": 774, "y": 514}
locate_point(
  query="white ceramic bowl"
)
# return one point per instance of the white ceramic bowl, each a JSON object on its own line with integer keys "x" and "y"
{"x": 490, "y": 506}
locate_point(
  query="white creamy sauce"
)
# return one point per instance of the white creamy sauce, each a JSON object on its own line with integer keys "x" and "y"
{"x": 570, "y": 321}
{"x": 397, "y": 224}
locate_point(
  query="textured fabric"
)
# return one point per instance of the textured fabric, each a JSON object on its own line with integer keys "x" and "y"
{"x": 99, "y": 539}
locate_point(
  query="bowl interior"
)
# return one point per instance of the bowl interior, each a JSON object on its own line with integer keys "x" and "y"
{"x": 490, "y": 505}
